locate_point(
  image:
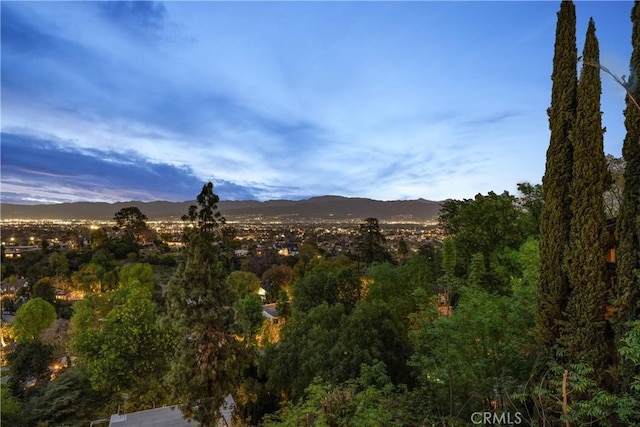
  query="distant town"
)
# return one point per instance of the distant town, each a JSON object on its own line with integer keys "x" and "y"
{"x": 26, "y": 235}
{"x": 331, "y": 222}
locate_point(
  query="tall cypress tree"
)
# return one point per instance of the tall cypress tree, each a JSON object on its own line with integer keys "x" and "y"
{"x": 585, "y": 257}
{"x": 628, "y": 226}
{"x": 553, "y": 290}
{"x": 627, "y": 289}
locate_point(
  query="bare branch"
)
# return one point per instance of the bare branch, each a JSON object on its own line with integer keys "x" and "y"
{"x": 620, "y": 81}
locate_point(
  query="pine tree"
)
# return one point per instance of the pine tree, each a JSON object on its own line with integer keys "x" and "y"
{"x": 553, "y": 291}
{"x": 200, "y": 306}
{"x": 585, "y": 256}
{"x": 370, "y": 242}
{"x": 627, "y": 290}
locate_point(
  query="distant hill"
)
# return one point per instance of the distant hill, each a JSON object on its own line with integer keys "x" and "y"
{"x": 335, "y": 208}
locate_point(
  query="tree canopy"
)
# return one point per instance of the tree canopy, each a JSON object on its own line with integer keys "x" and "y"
{"x": 200, "y": 306}
{"x": 130, "y": 221}
{"x": 32, "y": 318}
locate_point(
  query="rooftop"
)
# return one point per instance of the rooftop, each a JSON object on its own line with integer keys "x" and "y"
{"x": 168, "y": 416}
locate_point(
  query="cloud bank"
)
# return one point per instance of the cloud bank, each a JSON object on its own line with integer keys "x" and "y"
{"x": 146, "y": 100}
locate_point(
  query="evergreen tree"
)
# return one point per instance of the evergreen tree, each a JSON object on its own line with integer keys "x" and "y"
{"x": 553, "y": 291}
{"x": 585, "y": 256}
{"x": 627, "y": 290}
{"x": 370, "y": 242}
{"x": 200, "y": 304}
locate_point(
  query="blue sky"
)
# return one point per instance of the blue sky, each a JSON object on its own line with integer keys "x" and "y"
{"x": 118, "y": 101}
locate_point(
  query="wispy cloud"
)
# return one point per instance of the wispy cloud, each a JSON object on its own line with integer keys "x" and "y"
{"x": 136, "y": 16}
{"x": 110, "y": 100}
{"x": 32, "y": 166}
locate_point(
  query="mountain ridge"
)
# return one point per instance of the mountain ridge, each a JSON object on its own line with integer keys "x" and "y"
{"x": 315, "y": 208}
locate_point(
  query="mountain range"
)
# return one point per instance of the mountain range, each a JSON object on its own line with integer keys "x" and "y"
{"x": 323, "y": 208}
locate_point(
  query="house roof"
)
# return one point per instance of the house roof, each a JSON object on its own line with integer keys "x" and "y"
{"x": 269, "y": 311}
{"x": 7, "y": 318}
{"x": 168, "y": 416}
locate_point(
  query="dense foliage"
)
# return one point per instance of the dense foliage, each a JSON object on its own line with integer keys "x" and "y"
{"x": 585, "y": 260}
{"x": 32, "y": 318}
{"x": 626, "y": 304}
{"x": 553, "y": 292}
{"x": 207, "y": 360}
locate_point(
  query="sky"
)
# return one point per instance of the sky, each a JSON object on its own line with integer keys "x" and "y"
{"x": 120, "y": 101}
